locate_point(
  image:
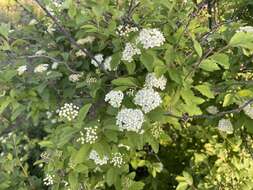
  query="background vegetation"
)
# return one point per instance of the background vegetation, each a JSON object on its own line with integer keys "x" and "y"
{"x": 198, "y": 137}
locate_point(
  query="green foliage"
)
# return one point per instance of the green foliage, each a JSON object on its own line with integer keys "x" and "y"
{"x": 61, "y": 128}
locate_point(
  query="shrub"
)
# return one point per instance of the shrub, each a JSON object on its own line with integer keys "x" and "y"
{"x": 126, "y": 95}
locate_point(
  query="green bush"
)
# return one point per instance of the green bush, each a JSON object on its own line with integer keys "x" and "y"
{"x": 127, "y": 95}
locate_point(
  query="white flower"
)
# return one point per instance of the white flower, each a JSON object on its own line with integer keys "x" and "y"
{"x": 90, "y": 135}
{"x": 75, "y": 77}
{"x": 247, "y": 29}
{"x": 97, "y": 159}
{"x": 107, "y": 63}
{"x": 99, "y": 58}
{"x": 55, "y": 65}
{"x": 80, "y": 53}
{"x": 33, "y": 22}
{"x": 68, "y": 111}
{"x": 22, "y": 69}
{"x": 129, "y": 51}
{"x": 150, "y": 38}
{"x": 148, "y": 99}
{"x": 40, "y": 52}
{"x": 41, "y": 68}
{"x": 248, "y": 110}
{"x": 117, "y": 160}
{"x": 88, "y": 39}
{"x": 212, "y": 110}
{"x": 48, "y": 180}
{"x": 124, "y": 30}
{"x": 114, "y": 98}
{"x": 152, "y": 81}
{"x": 130, "y": 120}
{"x": 226, "y": 126}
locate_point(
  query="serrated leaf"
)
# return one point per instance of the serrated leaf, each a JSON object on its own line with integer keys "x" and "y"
{"x": 222, "y": 59}
{"x": 205, "y": 90}
{"x": 242, "y": 39}
{"x": 209, "y": 65}
{"x": 125, "y": 81}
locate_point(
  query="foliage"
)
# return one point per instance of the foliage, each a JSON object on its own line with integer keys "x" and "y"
{"x": 126, "y": 95}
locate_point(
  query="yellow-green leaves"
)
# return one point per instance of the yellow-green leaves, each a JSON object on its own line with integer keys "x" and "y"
{"x": 209, "y": 65}
{"x": 125, "y": 81}
{"x": 184, "y": 181}
{"x": 197, "y": 47}
{"x": 242, "y": 39}
{"x": 205, "y": 90}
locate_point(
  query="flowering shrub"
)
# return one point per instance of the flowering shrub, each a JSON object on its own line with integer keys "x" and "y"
{"x": 126, "y": 95}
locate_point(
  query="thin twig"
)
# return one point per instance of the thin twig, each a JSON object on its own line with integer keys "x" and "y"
{"x": 68, "y": 35}
{"x": 186, "y": 117}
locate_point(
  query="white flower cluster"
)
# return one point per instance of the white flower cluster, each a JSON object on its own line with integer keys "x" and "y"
{"x": 107, "y": 63}
{"x": 41, "y": 68}
{"x": 80, "y": 53}
{"x": 130, "y": 120}
{"x": 117, "y": 160}
{"x": 129, "y": 51}
{"x": 55, "y": 65}
{"x": 226, "y": 126}
{"x": 75, "y": 77}
{"x": 114, "y": 98}
{"x": 88, "y": 39}
{"x": 248, "y": 110}
{"x": 90, "y": 135}
{"x": 96, "y": 158}
{"x": 124, "y": 30}
{"x": 247, "y": 29}
{"x": 99, "y": 59}
{"x": 152, "y": 81}
{"x": 40, "y": 52}
{"x": 157, "y": 130}
{"x": 150, "y": 38}
{"x": 68, "y": 111}
{"x": 212, "y": 110}
{"x": 90, "y": 80}
{"x": 22, "y": 69}
{"x": 148, "y": 99}
{"x": 48, "y": 180}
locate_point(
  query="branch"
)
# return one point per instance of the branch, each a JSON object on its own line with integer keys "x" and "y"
{"x": 185, "y": 117}
{"x": 51, "y": 58}
{"x": 68, "y": 35}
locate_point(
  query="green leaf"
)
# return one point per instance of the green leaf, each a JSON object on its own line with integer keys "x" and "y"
{"x": 209, "y": 65}
{"x": 222, "y": 59}
{"x": 112, "y": 176}
{"x": 125, "y": 81}
{"x": 83, "y": 113}
{"x": 197, "y": 47}
{"x": 4, "y": 103}
{"x": 4, "y": 30}
{"x": 242, "y": 39}
{"x": 73, "y": 180}
{"x": 205, "y": 90}
{"x": 228, "y": 100}
{"x": 182, "y": 186}
{"x": 81, "y": 154}
{"x": 148, "y": 61}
